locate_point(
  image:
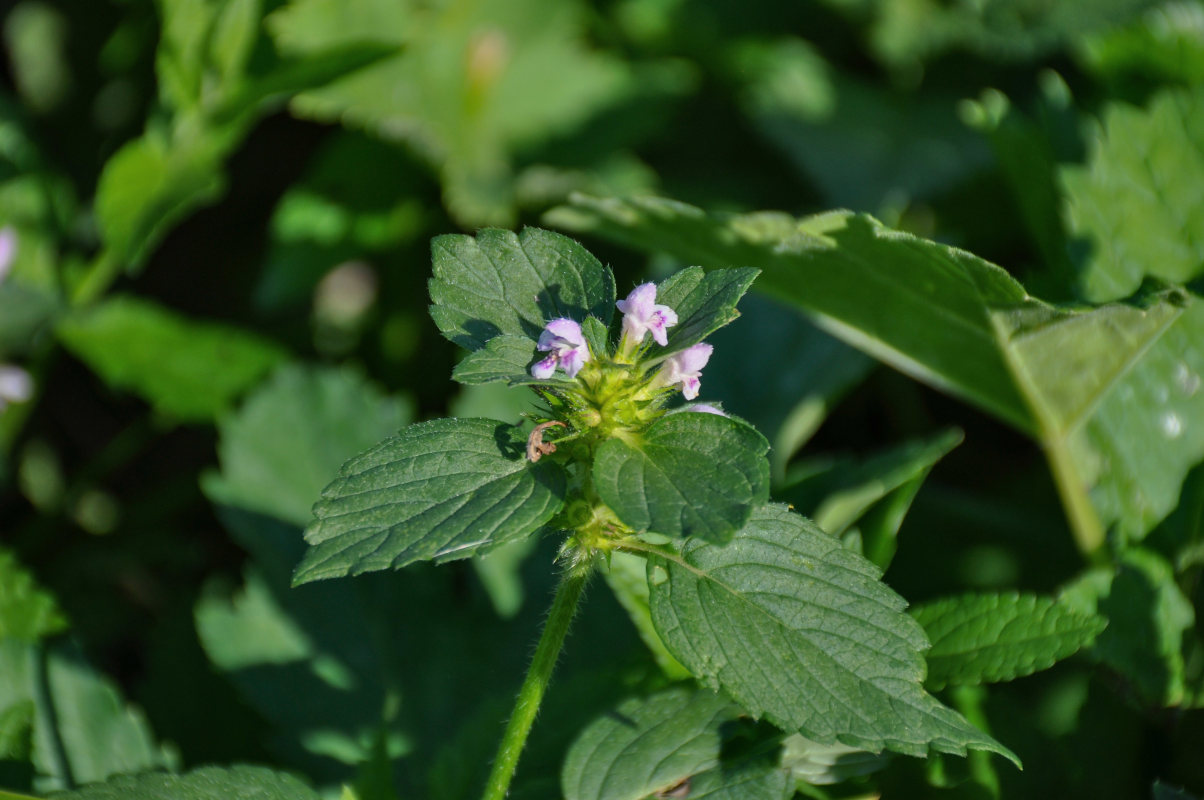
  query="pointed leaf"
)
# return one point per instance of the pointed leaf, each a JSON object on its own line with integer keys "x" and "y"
{"x": 704, "y": 302}
{"x": 206, "y": 783}
{"x": 1137, "y": 200}
{"x": 987, "y": 638}
{"x": 648, "y": 746}
{"x": 689, "y": 474}
{"x": 187, "y": 369}
{"x": 438, "y": 490}
{"x": 505, "y": 358}
{"x": 801, "y": 631}
{"x": 501, "y": 283}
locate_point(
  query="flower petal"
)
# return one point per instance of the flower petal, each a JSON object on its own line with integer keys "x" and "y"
{"x": 564, "y": 328}
{"x": 544, "y": 369}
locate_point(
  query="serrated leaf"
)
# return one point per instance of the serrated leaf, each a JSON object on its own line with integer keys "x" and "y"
{"x": 288, "y": 439}
{"x": 650, "y": 745}
{"x": 704, "y": 302}
{"x": 505, "y": 358}
{"x": 1137, "y": 201}
{"x": 187, "y": 369}
{"x": 206, "y": 783}
{"x": 988, "y": 638}
{"x": 439, "y": 490}
{"x": 27, "y": 611}
{"x": 501, "y": 283}
{"x": 1094, "y": 387}
{"x": 1147, "y": 615}
{"x": 689, "y": 474}
{"x": 802, "y": 632}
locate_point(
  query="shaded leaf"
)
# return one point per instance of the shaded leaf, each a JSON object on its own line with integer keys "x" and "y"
{"x": 704, "y": 302}
{"x": 502, "y": 283}
{"x": 1137, "y": 200}
{"x": 27, "y": 611}
{"x": 288, "y": 439}
{"x": 189, "y": 370}
{"x": 206, "y": 783}
{"x": 987, "y": 638}
{"x": 688, "y": 474}
{"x": 627, "y": 576}
{"x": 801, "y": 631}
{"x": 504, "y": 358}
{"x": 438, "y": 490}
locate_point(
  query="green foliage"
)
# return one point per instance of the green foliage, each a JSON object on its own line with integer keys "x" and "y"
{"x": 206, "y": 783}
{"x": 1093, "y": 386}
{"x": 1136, "y": 201}
{"x": 688, "y": 475}
{"x": 985, "y": 638}
{"x": 648, "y": 746}
{"x": 500, "y": 283}
{"x": 27, "y": 612}
{"x": 785, "y": 590}
{"x": 190, "y": 371}
{"x": 704, "y": 302}
{"x": 438, "y": 490}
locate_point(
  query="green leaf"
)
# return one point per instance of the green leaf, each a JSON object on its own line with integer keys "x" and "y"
{"x": 235, "y": 31}
{"x": 802, "y": 632}
{"x": 1094, "y": 387}
{"x": 502, "y": 283}
{"x": 24, "y": 312}
{"x": 83, "y": 730}
{"x": 186, "y": 369}
{"x": 646, "y": 746}
{"x": 439, "y": 490}
{"x": 873, "y": 494}
{"x": 1136, "y": 202}
{"x": 206, "y": 783}
{"x": 1148, "y": 616}
{"x": 146, "y": 187}
{"x": 504, "y": 358}
{"x": 1165, "y": 45}
{"x": 27, "y": 611}
{"x": 704, "y": 302}
{"x": 824, "y": 764}
{"x": 689, "y": 474}
{"x": 987, "y": 638}
{"x": 292, "y": 434}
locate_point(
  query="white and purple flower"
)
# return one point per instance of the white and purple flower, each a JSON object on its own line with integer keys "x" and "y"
{"x": 563, "y": 340}
{"x": 643, "y": 315}
{"x": 685, "y": 368}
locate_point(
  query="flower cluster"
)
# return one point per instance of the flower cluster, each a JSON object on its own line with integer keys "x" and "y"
{"x": 568, "y": 351}
{"x": 15, "y": 384}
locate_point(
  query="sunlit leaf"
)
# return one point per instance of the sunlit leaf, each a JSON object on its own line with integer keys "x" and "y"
{"x": 206, "y": 783}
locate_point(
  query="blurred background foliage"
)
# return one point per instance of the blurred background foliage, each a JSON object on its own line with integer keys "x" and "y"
{"x": 222, "y": 211}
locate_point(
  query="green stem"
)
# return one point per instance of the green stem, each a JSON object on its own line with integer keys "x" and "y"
{"x": 539, "y": 675}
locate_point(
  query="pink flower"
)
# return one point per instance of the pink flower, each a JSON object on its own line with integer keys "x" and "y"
{"x": 8, "y": 250}
{"x": 642, "y": 314}
{"x": 685, "y": 368}
{"x": 703, "y": 408}
{"x": 15, "y": 385}
{"x": 561, "y": 338}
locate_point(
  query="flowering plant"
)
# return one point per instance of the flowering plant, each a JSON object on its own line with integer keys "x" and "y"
{"x": 609, "y": 464}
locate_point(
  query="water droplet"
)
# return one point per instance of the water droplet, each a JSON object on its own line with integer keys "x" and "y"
{"x": 1172, "y": 426}
{"x": 1188, "y": 381}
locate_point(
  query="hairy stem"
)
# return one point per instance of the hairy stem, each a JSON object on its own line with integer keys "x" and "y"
{"x": 539, "y": 675}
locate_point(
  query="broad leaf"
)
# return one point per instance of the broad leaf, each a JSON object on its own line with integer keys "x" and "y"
{"x": 1094, "y": 387}
{"x": 505, "y": 358}
{"x": 864, "y": 501}
{"x": 186, "y": 369}
{"x": 1136, "y": 201}
{"x": 649, "y": 746}
{"x": 987, "y": 638}
{"x": 292, "y": 434}
{"x": 704, "y": 302}
{"x": 438, "y": 490}
{"x": 824, "y": 764}
{"x": 1148, "y": 616}
{"x": 27, "y": 611}
{"x": 801, "y": 631}
{"x": 206, "y": 783}
{"x": 503, "y": 283}
{"x": 689, "y": 474}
